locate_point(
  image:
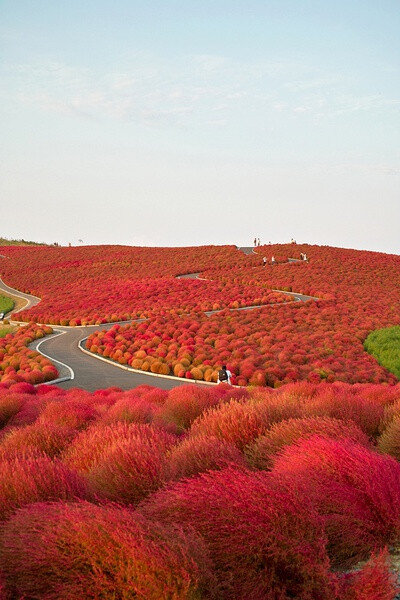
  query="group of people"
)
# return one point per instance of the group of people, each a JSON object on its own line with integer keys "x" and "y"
{"x": 257, "y": 242}
{"x": 265, "y": 260}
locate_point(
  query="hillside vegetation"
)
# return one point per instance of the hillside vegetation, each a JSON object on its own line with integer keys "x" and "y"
{"x": 6, "y": 304}
{"x": 281, "y": 341}
{"x": 199, "y": 494}
{"x": 384, "y": 344}
{"x": 21, "y": 242}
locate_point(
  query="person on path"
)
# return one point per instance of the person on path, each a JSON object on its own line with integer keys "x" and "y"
{"x": 304, "y": 256}
{"x": 224, "y": 375}
{"x": 264, "y": 261}
{"x": 273, "y": 260}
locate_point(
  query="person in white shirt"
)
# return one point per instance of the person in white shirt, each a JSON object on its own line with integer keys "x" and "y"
{"x": 224, "y": 375}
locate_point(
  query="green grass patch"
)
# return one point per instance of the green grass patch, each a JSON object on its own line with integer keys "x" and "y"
{"x": 384, "y": 344}
{"x": 6, "y": 329}
{"x": 6, "y": 304}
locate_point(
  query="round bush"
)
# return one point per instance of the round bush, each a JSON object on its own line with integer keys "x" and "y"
{"x": 263, "y": 541}
{"x": 76, "y": 413}
{"x": 374, "y": 581}
{"x": 185, "y": 403}
{"x": 36, "y": 439}
{"x": 356, "y": 490}
{"x": 89, "y": 552}
{"x": 340, "y": 403}
{"x": 36, "y": 479}
{"x": 121, "y": 462}
{"x": 129, "y": 409}
{"x": 239, "y": 421}
{"x": 199, "y": 454}
{"x": 260, "y": 453}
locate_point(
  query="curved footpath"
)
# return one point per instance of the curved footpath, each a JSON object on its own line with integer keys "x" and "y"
{"x": 78, "y": 368}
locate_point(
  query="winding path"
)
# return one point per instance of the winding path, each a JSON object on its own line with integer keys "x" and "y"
{"x": 79, "y": 368}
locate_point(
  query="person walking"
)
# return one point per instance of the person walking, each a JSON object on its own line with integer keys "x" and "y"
{"x": 264, "y": 261}
{"x": 224, "y": 375}
{"x": 273, "y": 260}
{"x": 255, "y": 242}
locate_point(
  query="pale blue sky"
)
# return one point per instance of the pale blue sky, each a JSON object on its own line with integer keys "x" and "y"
{"x": 187, "y": 123}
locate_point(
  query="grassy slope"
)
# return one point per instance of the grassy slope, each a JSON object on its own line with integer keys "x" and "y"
{"x": 384, "y": 344}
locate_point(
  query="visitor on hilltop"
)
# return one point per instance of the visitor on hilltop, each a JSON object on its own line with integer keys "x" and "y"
{"x": 258, "y": 243}
{"x": 301, "y": 256}
{"x": 255, "y": 242}
{"x": 304, "y": 256}
{"x": 264, "y": 261}
{"x": 273, "y": 261}
{"x": 224, "y": 375}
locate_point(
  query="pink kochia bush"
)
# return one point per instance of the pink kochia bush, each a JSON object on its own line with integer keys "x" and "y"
{"x": 121, "y": 462}
{"x": 354, "y": 489}
{"x": 35, "y": 440}
{"x": 264, "y": 542}
{"x": 185, "y": 403}
{"x": 24, "y": 481}
{"x": 261, "y": 452}
{"x": 240, "y": 422}
{"x": 87, "y": 552}
{"x": 375, "y": 581}
{"x": 199, "y": 454}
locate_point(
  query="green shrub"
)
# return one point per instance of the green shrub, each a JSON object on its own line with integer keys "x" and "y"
{"x": 384, "y": 344}
{"x": 6, "y": 304}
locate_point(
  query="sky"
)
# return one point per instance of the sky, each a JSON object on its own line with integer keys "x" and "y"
{"x": 181, "y": 123}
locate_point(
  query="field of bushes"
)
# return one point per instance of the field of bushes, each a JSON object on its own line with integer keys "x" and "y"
{"x": 18, "y": 362}
{"x": 285, "y": 487}
{"x": 279, "y": 342}
{"x": 200, "y": 493}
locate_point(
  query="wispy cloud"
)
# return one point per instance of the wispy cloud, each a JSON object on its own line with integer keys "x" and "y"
{"x": 156, "y": 92}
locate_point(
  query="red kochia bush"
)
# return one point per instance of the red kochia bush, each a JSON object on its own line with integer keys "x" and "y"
{"x": 10, "y": 405}
{"x": 71, "y": 412}
{"x": 36, "y": 479}
{"x": 264, "y": 542}
{"x": 129, "y": 409}
{"x": 89, "y": 552}
{"x": 121, "y": 462}
{"x": 355, "y": 489}
{"x": 261, "y": 452}
{"x": 340, "y": 403}
{"x": 375, "y": 581}
{"x": 185, "y": 403}
{"x": 36, "y": 439}
{"x": 242, "y": 421}
{"x": 201, "y": 454}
